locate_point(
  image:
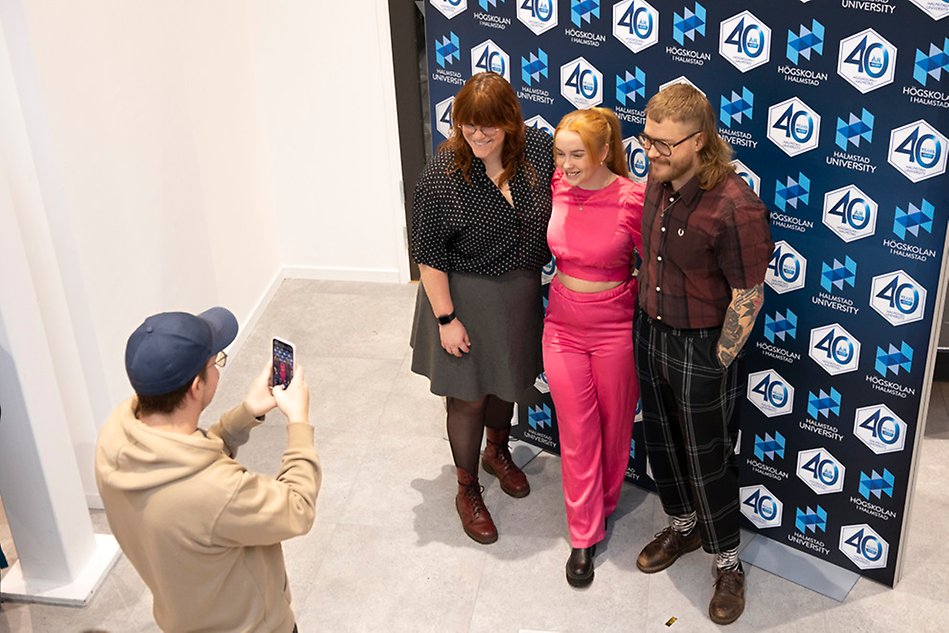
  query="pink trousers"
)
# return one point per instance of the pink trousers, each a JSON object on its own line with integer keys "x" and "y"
{"x": 588, "y": 360}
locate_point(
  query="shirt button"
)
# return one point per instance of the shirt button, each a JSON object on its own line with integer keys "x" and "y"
{"x": 658, "y": 289}
{"x": 672, "y": 199}
{"x": 663, "y": 229}
{"x": 659, "y": 258}
{"x": 659, "y": 318}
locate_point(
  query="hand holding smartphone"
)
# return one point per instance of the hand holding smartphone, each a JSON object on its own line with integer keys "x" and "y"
{"x": 283, "y": 362}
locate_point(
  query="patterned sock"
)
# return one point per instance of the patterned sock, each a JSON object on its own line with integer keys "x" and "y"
{"x": 727, "y": 559}
{"x": 685, "y": 523}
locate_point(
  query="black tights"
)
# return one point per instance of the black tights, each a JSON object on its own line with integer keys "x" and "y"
{"x": 466, "y": 422}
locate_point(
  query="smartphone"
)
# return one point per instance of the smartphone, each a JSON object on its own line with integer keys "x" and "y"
{"x": 283, "y": 353}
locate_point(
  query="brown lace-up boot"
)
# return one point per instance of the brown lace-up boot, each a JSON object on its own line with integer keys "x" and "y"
{"x": 728, "y": 601}
{"x": 475, "y": 518}
{"x": 497, "y": 461}
{"x": 666, "y": 548}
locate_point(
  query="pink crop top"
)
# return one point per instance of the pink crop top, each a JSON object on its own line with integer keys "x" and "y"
{"x": 592, "y": 233}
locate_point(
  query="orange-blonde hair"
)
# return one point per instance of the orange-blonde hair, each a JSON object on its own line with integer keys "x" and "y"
{"x": 598, "y": 128}
{"x": 685, "y": 104}
{"x": 487, "y": 99}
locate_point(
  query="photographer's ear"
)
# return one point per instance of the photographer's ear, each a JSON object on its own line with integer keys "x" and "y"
{"x": 197, "y": 385}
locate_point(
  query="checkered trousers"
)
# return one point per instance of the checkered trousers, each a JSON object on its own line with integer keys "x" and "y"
{"x": 691, "y": 426}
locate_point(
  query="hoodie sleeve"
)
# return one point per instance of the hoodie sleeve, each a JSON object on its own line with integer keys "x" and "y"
{"x": 264, "y": 510}
{"x": 234, "y": 428}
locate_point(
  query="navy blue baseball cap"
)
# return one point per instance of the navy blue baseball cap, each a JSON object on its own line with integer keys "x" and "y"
{"x": 169, "y": 349}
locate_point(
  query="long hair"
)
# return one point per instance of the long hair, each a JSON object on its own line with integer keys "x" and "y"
{"x": 685, "y": 104}
{"x": 598, "y": 128}
{"x": 487, "y": 99}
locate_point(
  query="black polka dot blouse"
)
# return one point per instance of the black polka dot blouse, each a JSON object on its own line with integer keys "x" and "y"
{"x": 470, "y": 227}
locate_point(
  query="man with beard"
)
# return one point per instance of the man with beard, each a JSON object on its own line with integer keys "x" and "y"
{"x": 707, "y": 244}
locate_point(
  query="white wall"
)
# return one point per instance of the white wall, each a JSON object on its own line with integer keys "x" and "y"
{"x": 327, "y": 96}
{"x": 152, "y": 111}
{"x": 188, "y": 154}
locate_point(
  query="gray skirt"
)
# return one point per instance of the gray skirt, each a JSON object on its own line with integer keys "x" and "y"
{"x": 504, "y": 317}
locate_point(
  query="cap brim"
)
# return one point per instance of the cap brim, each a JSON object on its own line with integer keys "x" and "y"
{"x": 223, "y": 326}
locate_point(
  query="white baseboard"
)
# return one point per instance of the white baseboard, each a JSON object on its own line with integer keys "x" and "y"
{"x": 378, "y": 275}
{"x": 94, "y": 501}
{"x": 265, "y": 298}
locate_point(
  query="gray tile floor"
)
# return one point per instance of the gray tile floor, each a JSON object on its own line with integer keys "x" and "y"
{"x": 387, "y": 554}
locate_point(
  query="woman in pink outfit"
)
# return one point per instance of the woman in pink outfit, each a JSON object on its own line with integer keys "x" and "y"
{"x": 594, "y": 234}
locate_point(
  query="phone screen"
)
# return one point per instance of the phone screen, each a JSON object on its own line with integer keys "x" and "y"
{"x": 282, "y": 363}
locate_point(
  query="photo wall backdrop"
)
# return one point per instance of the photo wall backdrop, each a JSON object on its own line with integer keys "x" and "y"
{"x": 838, "y": 112}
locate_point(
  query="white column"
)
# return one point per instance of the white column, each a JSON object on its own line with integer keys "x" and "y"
{"x": 60, "y": 560}
{"x": 37, "y": 202}
{"x": 46, "y": 418}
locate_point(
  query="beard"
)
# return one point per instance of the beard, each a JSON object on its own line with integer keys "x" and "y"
{"x": 668, "y": 170}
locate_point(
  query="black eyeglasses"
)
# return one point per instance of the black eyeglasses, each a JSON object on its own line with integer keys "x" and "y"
{"x": 663, "y": 147}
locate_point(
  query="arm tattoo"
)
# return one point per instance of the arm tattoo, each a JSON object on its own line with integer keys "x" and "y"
{"x": 739, "y": 321}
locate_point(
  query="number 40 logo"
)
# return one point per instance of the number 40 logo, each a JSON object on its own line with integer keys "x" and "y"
{"x": 538, "y": 15}
{"x": 918, "y": 151}
{"x": 898, "y": 298}
{"x": 443, "y": 116}
{"x": 450, "y": 8}
{"x": 880, "y": 429}
{"x": 867, "y": 61}
{"x": 834, "y": 349}
{"x": 862, "y": 545}
{"x": 489, "y": 57}
{"x": 745, "y": 41}
{"x": 793, "y": 126}
{"x": 821, "y": 471}
{"x": 581, "y": 83}
{"x": 761, "y": 506}
{"x": 850, "y": 213}
{"x": 770, "y": 392}
{"x": 787, "y": 269}
{"x": 635, "y": 24}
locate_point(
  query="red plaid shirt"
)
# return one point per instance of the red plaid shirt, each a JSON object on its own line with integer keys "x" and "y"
{"x": 698, "y": 246}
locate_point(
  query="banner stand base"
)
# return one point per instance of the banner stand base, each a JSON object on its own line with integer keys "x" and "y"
{"x": 800, "y": 568}
{"x": 522, "y": 453}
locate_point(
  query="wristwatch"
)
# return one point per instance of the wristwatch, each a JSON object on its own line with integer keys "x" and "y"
{"x": 445, "y": 319}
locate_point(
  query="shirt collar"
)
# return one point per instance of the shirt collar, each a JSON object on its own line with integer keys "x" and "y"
{"x": 688, "y": 192}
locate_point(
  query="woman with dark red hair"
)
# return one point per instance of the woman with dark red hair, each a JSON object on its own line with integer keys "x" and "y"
{"x": 479, "y": 223}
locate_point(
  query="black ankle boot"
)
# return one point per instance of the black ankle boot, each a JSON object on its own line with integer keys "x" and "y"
{"x": 580, "y": 566}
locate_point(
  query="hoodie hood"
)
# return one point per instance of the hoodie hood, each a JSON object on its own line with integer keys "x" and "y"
{"x": 130, "y": 455}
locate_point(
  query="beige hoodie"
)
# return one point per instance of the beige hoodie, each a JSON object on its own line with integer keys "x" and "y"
{"x": 202, "y": 531}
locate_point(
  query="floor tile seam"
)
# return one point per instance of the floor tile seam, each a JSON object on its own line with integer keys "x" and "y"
{"x": 434, "y": 436}
{"x": 367, "y": 356}
{"x": 350, "y": 496}
{"x": 477, "y": 595}
{"x": 382, "y": 429}
{"x": 297, "y": 602}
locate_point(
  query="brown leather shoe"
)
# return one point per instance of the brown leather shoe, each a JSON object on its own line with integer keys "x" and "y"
{"x": 497, "y": 461}
{"x": 666, "y": 548}
{"x": 728, "y": 601}
{"x": 580, "y": 566}
{"x": 475, "y": 518}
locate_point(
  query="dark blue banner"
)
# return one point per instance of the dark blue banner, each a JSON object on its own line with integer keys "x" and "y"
{"x": 838, "y": 114}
